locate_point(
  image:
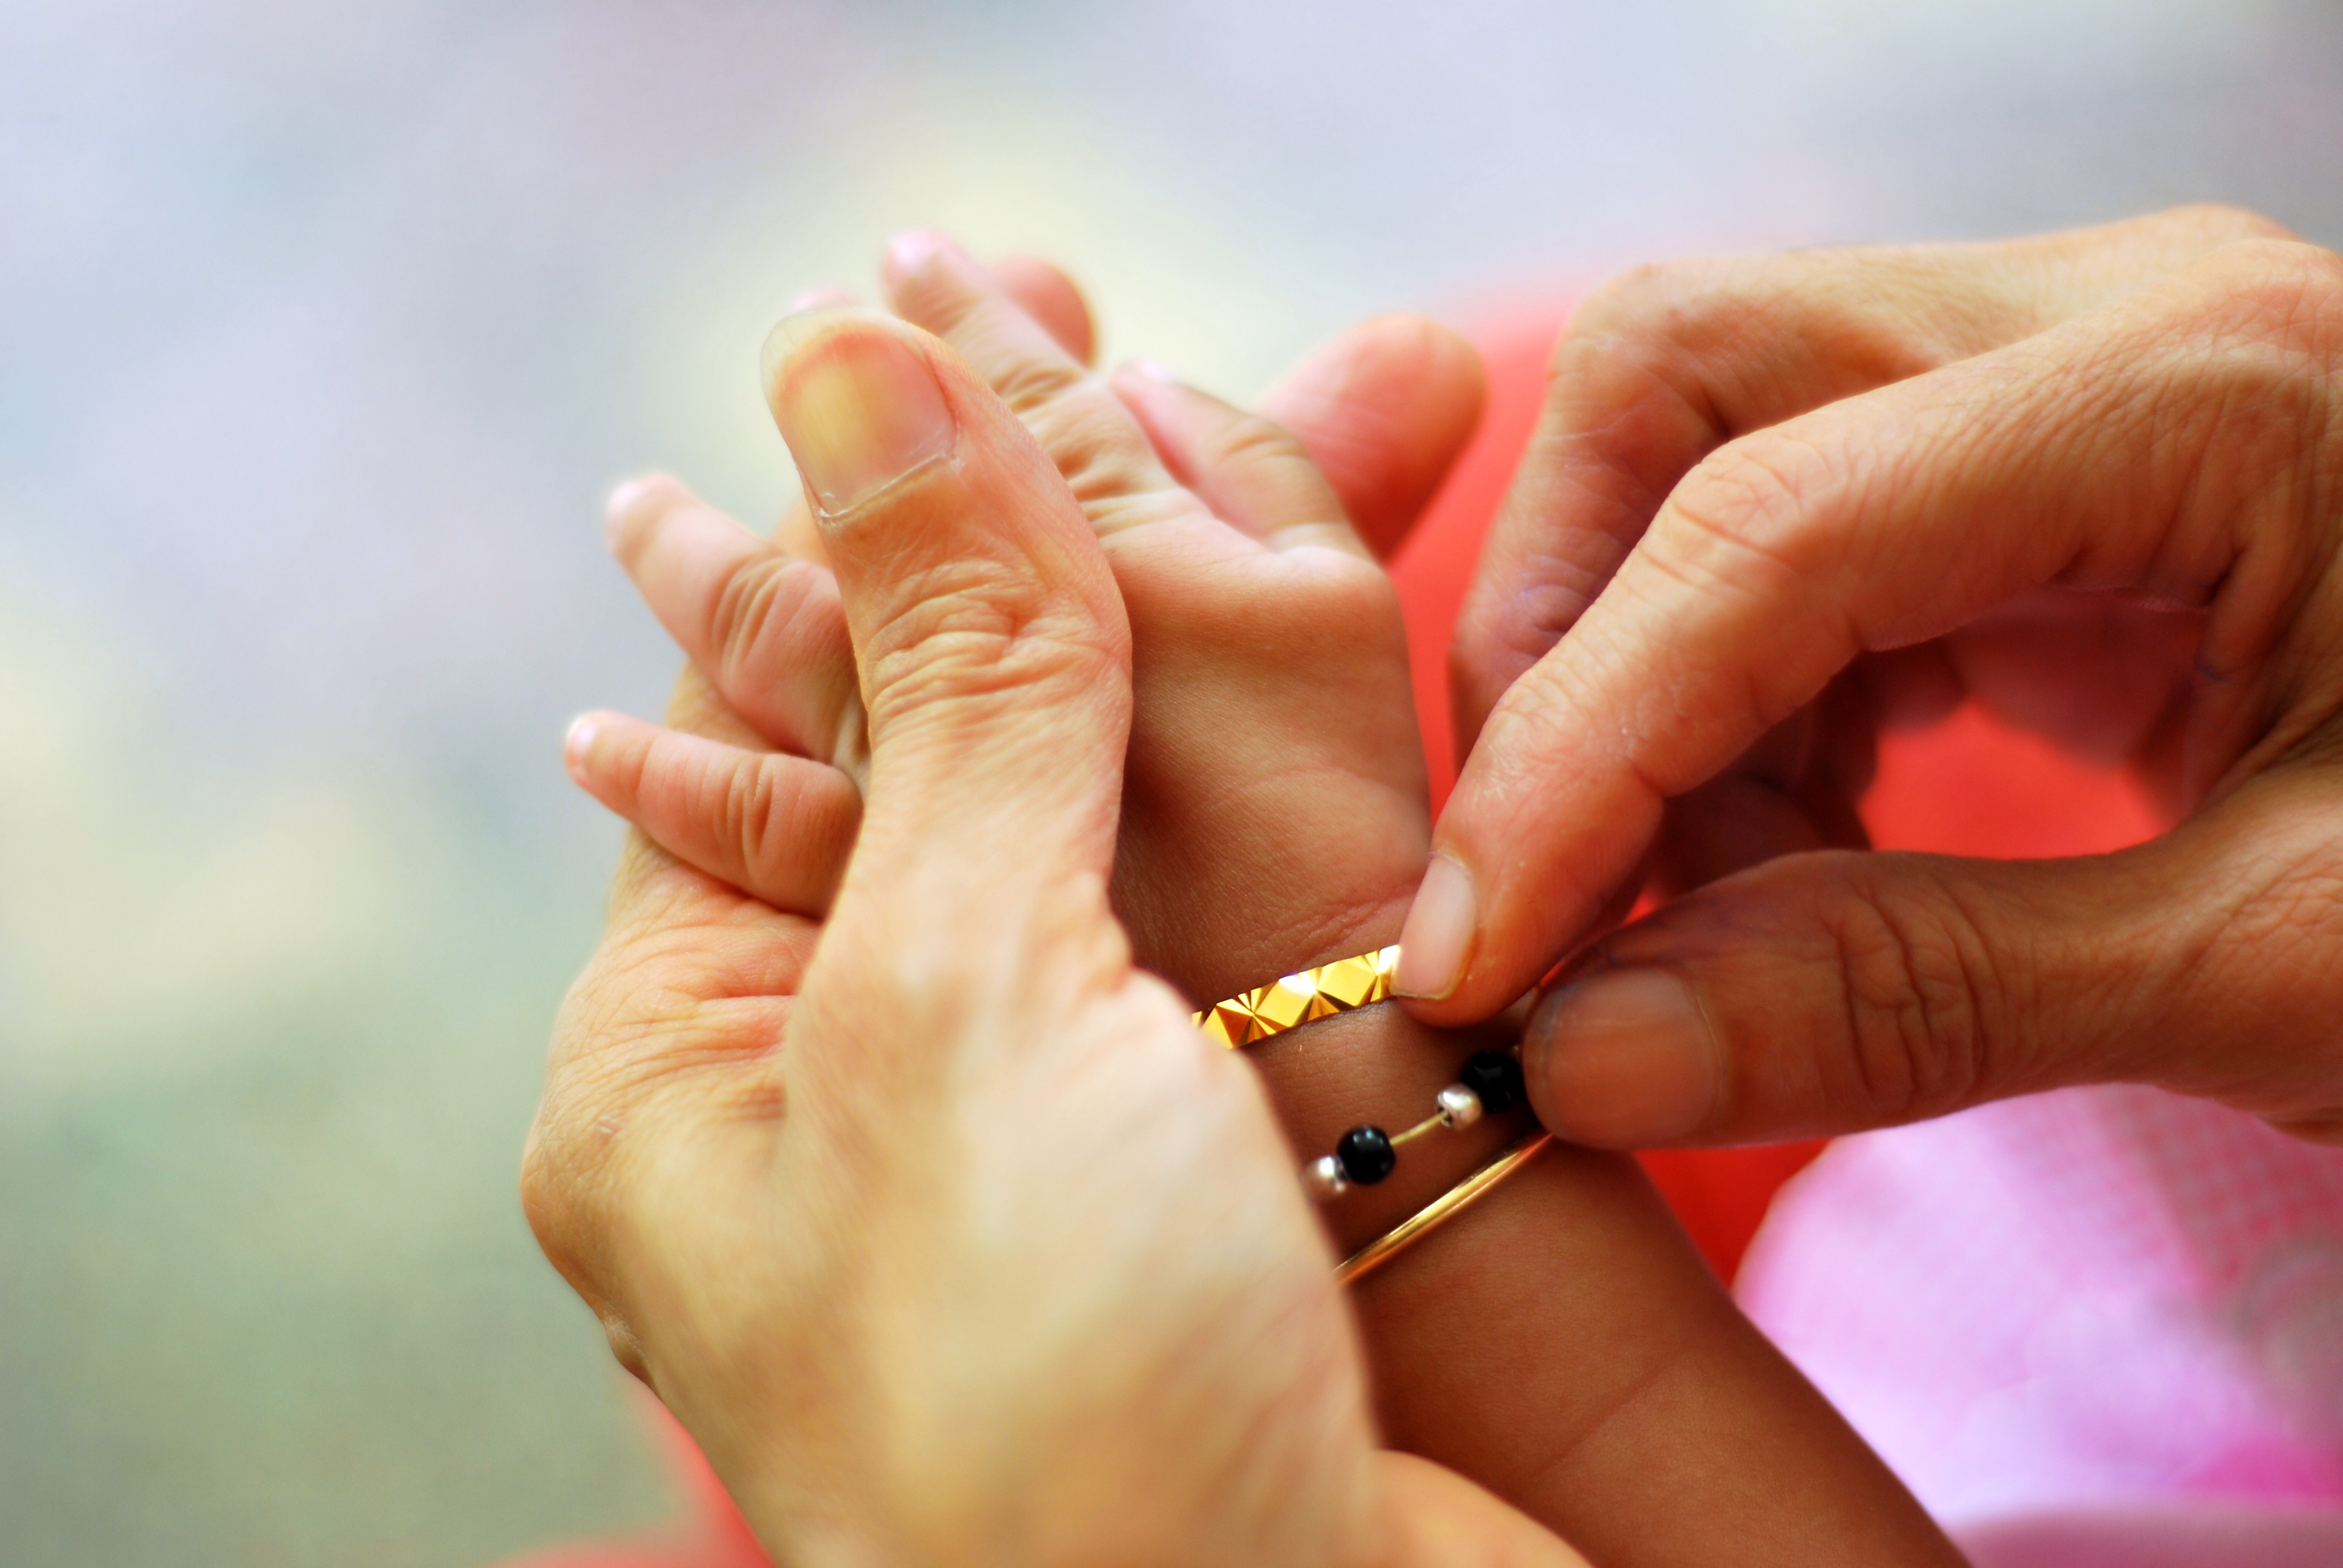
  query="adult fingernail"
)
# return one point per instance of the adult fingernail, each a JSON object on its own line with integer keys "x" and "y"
{"x": 859, "y": 406}
{"x": 1438, "y": 936}
{"x": 577, "y": 743}
{"x": 1623, "y": 1059}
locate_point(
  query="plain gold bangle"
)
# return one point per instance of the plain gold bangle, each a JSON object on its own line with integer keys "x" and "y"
{"x": 1441, "y": 1210}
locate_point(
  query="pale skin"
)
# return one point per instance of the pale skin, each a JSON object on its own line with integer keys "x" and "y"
{"x": 2093, "y": 480}
{"x": 1610, "y": 1389}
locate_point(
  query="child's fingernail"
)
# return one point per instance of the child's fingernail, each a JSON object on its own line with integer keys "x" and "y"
{"x": 577, "y": 743}
{"x": 1623, "y": 1059}
{"x": 859, "y": 405}
{"x": 823, "y": 299}
{"x": 911, "y": 253}
{"x": 1438, "y": 936}
{"x": 1153, "y": 370}
{"x": 620, "y": 508}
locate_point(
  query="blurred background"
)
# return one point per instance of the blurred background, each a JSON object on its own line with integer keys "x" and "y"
{"x": 323, "y": 329}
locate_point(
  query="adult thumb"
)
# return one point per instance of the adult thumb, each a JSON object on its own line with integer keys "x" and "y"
{"x": 990, "y": 641}
{"x": 1826, "y": 993}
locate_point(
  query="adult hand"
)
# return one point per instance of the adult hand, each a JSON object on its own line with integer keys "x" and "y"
{"x": 1275, "y": 815}
{"x": 2096, "y": 479}
{"x": 1563, "y": 1345}
{"x": 974, "y": 1250}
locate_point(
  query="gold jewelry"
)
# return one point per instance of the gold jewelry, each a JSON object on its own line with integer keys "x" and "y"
{"x": 1441, "y": 1210}
{"x": 1490, "y": 1081}
{"x": 1294, "y": 999}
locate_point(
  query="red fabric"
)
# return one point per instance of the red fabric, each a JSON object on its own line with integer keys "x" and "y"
{"x": 1968, "y": 786}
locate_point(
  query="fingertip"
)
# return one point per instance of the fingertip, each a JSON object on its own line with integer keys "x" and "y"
{"x": 577, "y": 745}
{"x": 1385, "y": 410}
{"x": 634, "y": 503}
{"x": 858, "y": 398}
{"x": 1436, "y": 943}
{"x": 825, "y": 298}
{"x": 1406, "y": 347}
{"x": 914, "y": 251}
{"x": 604, "y": 752}
{"x": 1623, "y": 1059}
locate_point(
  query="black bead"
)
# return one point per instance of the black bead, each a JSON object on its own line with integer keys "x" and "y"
{"x": 1496, "y": 1077}
{"x": 1366, "y": 1154}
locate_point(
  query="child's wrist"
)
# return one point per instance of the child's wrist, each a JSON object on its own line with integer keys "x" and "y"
{"x": 1377, "y": 1066}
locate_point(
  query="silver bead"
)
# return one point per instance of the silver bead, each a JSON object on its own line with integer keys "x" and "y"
{"x": 1323, "y": 1176}
{"x": 1459, "y": 1105}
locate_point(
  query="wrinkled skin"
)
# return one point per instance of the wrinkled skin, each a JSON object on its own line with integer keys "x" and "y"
{"x": 1640, "y": 1380}
{"x": 951, "y": 1240}
{"x": 2093, "y": 481}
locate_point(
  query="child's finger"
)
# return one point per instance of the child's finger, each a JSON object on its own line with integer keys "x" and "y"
{"x": 1384, "y": 410}
{"x": 1052, "y": 298}
{"x": 778, "y": 828}
{"x": 1089, "y": 436}
{"x": 1252, "y": 472}
{"x": 766, "y": 626}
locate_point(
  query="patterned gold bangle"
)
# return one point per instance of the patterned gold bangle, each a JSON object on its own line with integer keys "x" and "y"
{"x": 1441, "y": 1210}
{"x": 1294, "y": 999}
{"x": 1490, "y": 1082}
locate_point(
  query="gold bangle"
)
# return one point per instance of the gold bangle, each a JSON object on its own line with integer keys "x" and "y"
{"x": 1441, "y": 1210}
{"x": 1294, "y": 999}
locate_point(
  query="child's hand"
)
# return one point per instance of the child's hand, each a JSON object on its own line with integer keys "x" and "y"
{"x": 1275, "y": 814}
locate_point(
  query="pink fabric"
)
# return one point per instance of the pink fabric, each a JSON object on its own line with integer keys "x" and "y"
{"x": 2097, "y": 1296}
{"x": 2161, "y": 1538}
{"x": 2100, "y": 1299}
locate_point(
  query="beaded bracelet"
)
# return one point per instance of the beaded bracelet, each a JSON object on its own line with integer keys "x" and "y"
{"x": 1489, "y": 1082}
{"x": 1442, "y": 1209}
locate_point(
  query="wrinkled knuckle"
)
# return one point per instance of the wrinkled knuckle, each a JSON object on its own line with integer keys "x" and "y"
{"x": 1747, "y": 497}
{"x": 746, "y": 813}
{"x": 776, "y": 819}
{"x": 1915, "y": 998}
{"x": 757, "y": 605}
{"x": 1641, "y": 299}
{"x": 1251, "y": 439}
{"x": 2225, "y": 221}
{"x": 980, "y": 629}
{"x": 2272, "y": 314}
{"x": 557, "y": 1188}
{"x": 1091, "y": 442}
{"x": 1524, "y": 624}
{"x": 1028, "y": 383}
{"x": 2278, "y": 285}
